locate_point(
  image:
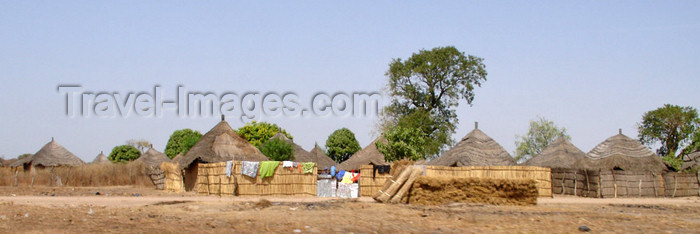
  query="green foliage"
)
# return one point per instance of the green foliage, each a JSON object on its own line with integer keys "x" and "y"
{"x": 124, "y": 153}
{"x": 181, "y": 141}
{"x": 427, "y": 88}
{"x": 341, "y": 144}
{"x": 672, "y": 160}
{"x": 403, "y": 143}
{"x": 670, "y": 126}
{"x": 694, "y": 146}
{"x": 257, "y": 133}
{"x": 540, "y": 134}
{"x": 278, "y": 150}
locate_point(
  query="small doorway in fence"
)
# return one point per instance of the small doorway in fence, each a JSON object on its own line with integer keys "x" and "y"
{"x": 190, "y": 176}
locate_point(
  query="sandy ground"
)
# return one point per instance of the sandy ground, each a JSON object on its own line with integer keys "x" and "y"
{"x": 125, "y": 209}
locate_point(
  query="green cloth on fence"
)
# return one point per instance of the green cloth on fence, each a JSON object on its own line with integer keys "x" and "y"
{"x": 308, "y": 167}
{"x": 267, "y": 168}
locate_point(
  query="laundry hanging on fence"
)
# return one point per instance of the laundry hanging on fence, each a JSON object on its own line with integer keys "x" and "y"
{"x": 287, "y": 164}
{"x": 340, "y": 174}
{"x": 382, "y": 169}
{"x": 229, "y": 165}
{"x": 347, "y": 178}
{"x": 332, "y": 170}
{"x": 267, "y": 168}
{"x": 250, "y": 168}
{"x": 308, "y": 167}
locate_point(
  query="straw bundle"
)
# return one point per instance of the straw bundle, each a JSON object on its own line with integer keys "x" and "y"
{"x": 173, "y": 177}
{"x": 392, "y": 186}
{"x": 541, "y": 175}
{"x": 440, "y": 190}
{"x": 415, "y": 173}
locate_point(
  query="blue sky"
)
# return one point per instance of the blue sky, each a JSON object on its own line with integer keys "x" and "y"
{"x": 592, "y": 66}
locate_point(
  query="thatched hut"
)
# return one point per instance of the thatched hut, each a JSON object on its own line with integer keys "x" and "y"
{"x": 322, "y": 160}
{"x": 620, "y": 152}
{"x": 101, "y": 159}
{"x": 300, "y": 155}
{"x": 220, "y": 144}
{"x": 368, "y": 155}
{"x": 691, "y": 161}
{"x": 475, "y": 149}
{"x": 51, "y": 155}
{"x": 177, "y": 158}
{"x": 152, "y": 158}
{"x": 561, "y": 153}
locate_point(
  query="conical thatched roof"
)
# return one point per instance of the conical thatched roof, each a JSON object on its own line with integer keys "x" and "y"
{"x": 152, "y": 158}
{"x": 221, "y": 144}
{"x": 475, "y": 149}
{"x": 322, "y": 159}
{"x": 559, "y": 154}
{"x": 52, "y": 154}
{"x": 692, "y": 161}
{"x": 300, "y": 155}
{"x": 369, "y": 155}
{"x": 622, "y": 152}
{"x": 7, "y": 162}
{"x": 101, "y": 158}
{"x": 177, "y": 158}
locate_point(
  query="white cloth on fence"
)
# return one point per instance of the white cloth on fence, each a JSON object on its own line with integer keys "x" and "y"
{"x": 250, "y": 168}
{"x": 287, "y": 164}
{"x": 229, "y": 165}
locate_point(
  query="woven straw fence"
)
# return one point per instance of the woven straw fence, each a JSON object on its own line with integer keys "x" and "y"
{"x": 607, "y": 183}
{"x": 541, "y": 175}
{"x": 682, "y": 184}
{"x": 369, "y": 185}
{"x": 173, "y": 177}
{"x": 157, "y": 176}
{"x": 212, "y": 180}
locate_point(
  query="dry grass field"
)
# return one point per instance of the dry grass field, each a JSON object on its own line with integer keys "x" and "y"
{"x": 128, "y": 209}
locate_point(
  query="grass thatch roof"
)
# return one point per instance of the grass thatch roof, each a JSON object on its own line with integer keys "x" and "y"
{"x": 622, "y": 152}
{"x": 561, "y": 153}
{"x": 101, "y": 158}
{"x": 692, "y": 161}
{"x": 221, "y": 144}
{"x": 475, "y": 149}
{"x": 368, "y": 155}
{"x": 322, "y": 160}
{"x": 152, "y": 158}
{"x": 52, "y": 154}
{"x": 300, "y": 155}
{"x": 177, "y": 158}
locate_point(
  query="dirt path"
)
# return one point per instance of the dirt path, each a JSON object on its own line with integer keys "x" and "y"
{"x": 79, "y": 210}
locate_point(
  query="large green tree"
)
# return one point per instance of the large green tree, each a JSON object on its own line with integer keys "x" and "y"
{"x": 341, "y": 144}
{"x": 669, "y": 126}
{"x": 257, "y": 133}
{"x": 181, "y": 141}
{"x": 539, "y": 135}
{"x": 124, "y": 153}
{"x": 426, "y": 89}
{"x": 278, "y": 150}
{"x": 402, "y": 143}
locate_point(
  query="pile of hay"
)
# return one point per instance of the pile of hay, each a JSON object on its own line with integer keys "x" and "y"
{"x": 441, "y": 190}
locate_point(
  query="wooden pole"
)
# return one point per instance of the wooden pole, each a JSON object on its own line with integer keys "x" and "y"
{"x": 406, "y": 186}
{"x": 575, "y": 182}
{"x": 697, "y": 174}
{"x": 653, "y": 180}
{"x": 612, "y": 172}
{"x": 675, "y": 185}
